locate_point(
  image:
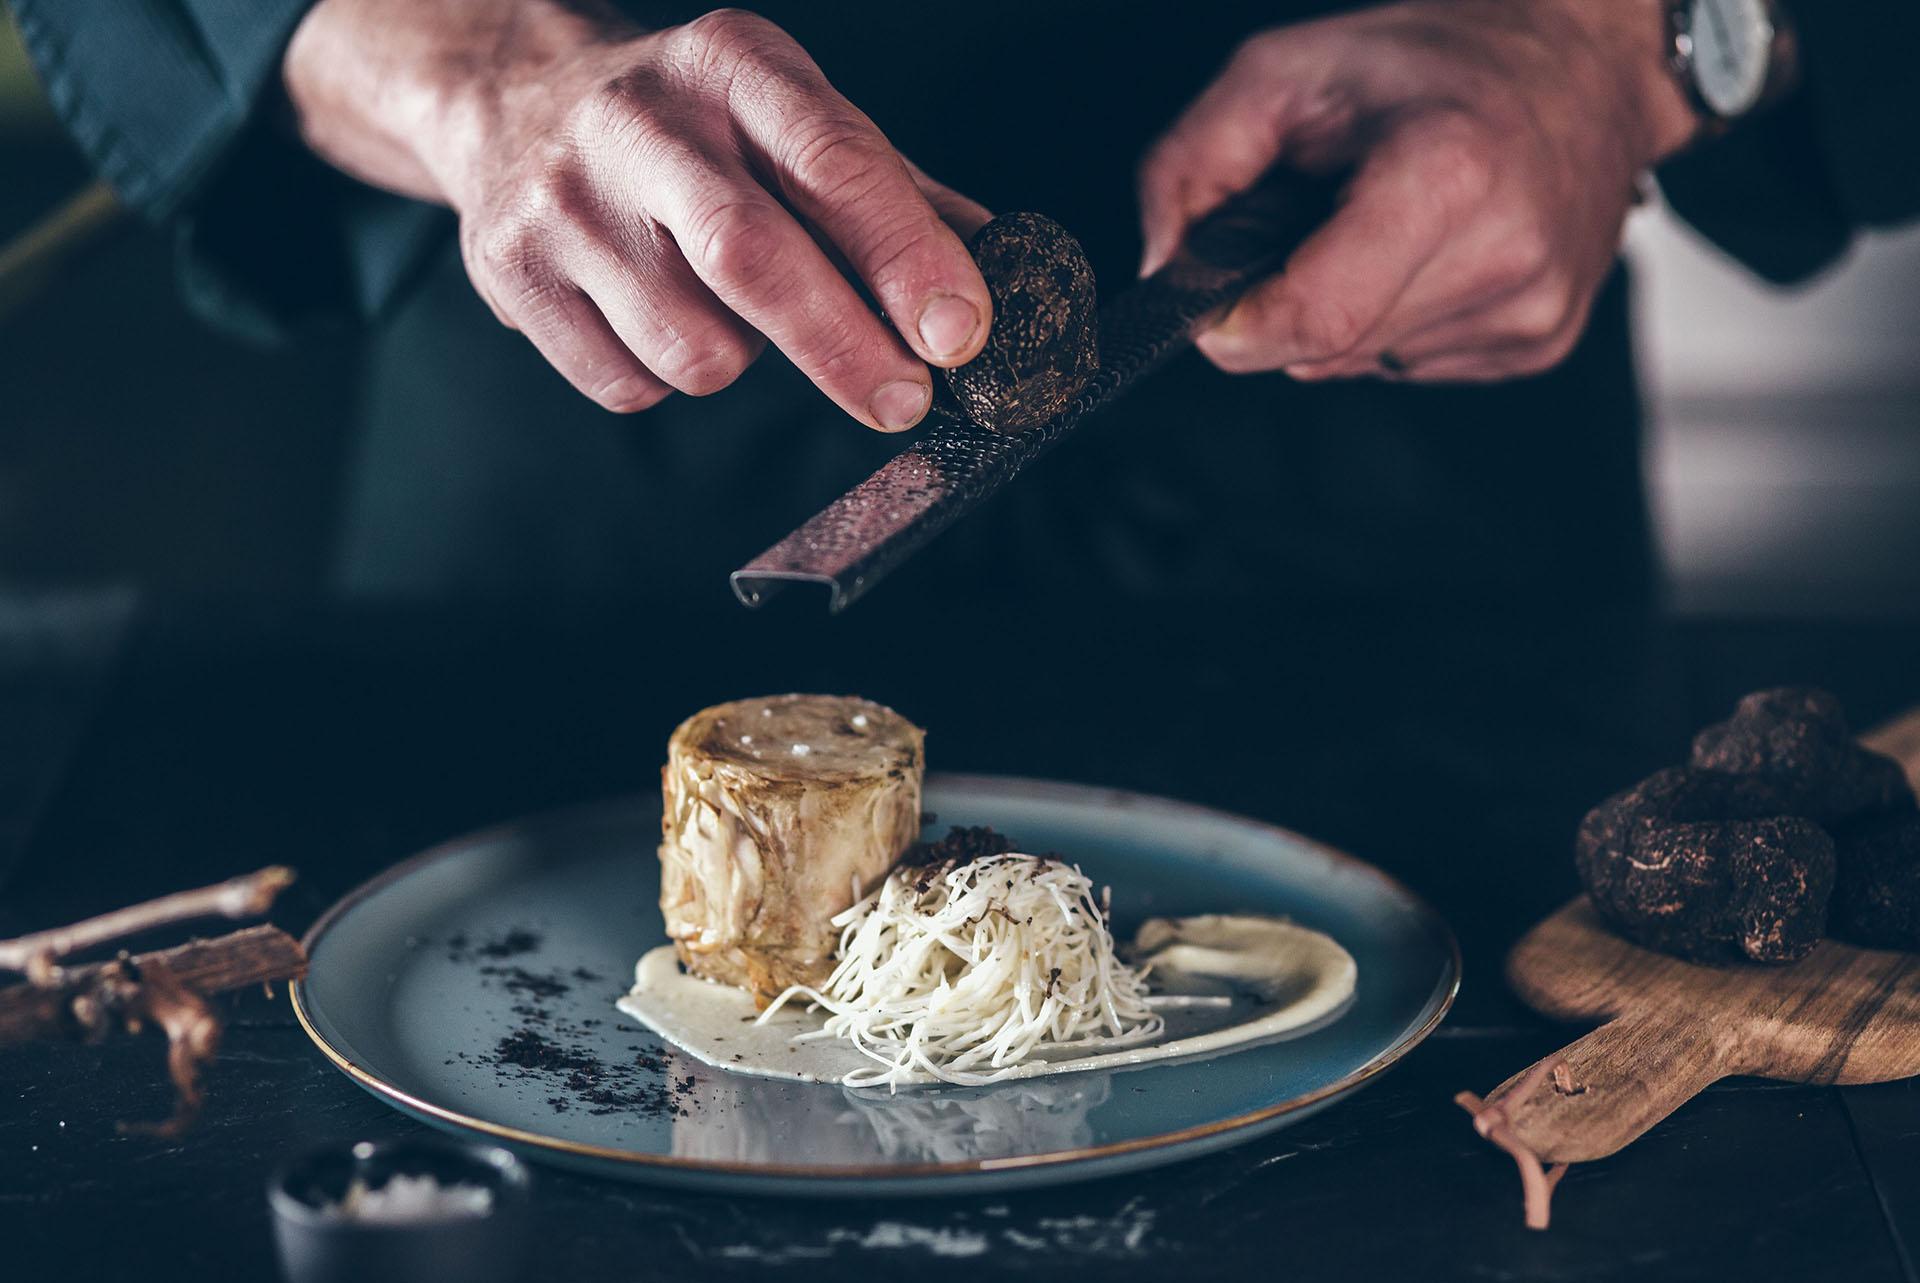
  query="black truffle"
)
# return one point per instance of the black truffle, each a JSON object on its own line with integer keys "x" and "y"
{"x": 963, "y": 844}
{"x": 1798, "y": 738}
{"x": 1707, "y": 865}
{"x": 1043, "y": 345}
{"x": 1781, "y": 828}
{"x": 1876, "y": 898}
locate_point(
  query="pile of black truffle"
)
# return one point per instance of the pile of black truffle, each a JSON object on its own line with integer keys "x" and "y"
{"x": 1780, "y": 829}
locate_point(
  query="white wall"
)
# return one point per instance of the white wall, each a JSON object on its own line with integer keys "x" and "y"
{"x": 1710, "y": 329}
{"x": 1784, "y": 425}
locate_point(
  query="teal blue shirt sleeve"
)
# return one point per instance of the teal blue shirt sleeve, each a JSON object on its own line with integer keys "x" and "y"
{"x": 177, "y": 104}
{"x": 157, "y": 93}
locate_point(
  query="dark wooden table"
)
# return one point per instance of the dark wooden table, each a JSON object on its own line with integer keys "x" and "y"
{"x": 1455, "y": 748}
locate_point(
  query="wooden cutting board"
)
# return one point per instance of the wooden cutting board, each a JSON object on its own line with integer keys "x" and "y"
{"x": 1839, "y": 1015}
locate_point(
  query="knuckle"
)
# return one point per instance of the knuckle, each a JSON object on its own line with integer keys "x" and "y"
{"x": 627, "y": 393}
{"x": 890, "y": 250}
{"x": 555, "y": 198}
{"x": 729, "y": 24}
{"x": 722, "y": 40}
{"x": 1462, "y": 160}
{"x": 837, "y": 159}
{"x": 737, "y": 241}
{"x": 507, "y": 252}
{"x": 1229, "y": 356}
{"x": 1524, "y": 252}
{"x": 1560, "y": 345}
{"x": 704, "y": 365}
{"x": 1233, "y": 360}
{"x": 842, "y": 360}
{"x": 539, "y": 307}
{"x": 550, "y": 318}
{"x": 1560, "y": 281}
{"x": 1327, "y": 328}
{"x": 1539, "y": 314}
{"x": 517, "y": 240}
{"x": 1544, "y": 354}
{"x": 620, "y": 111}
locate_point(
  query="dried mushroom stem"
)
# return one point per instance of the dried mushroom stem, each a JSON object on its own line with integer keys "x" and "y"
{"x": 193, "y": 1035}
{"x": 1490, "y": 1119}
{"x": 38, "y": 955}
{"x": 167, "y": 989}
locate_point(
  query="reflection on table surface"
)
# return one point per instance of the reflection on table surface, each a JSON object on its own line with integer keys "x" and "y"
{"x": 754, "y": 1120}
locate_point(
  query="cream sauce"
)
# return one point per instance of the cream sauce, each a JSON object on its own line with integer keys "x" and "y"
{"x": 1221, "y": 981}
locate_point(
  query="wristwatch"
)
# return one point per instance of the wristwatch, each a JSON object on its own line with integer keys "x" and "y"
{"x": 1731, "y": 56}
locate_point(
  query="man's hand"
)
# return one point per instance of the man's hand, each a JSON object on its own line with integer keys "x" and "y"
{"x": 650, "y": 207}
{"x": 1496, "y": 147}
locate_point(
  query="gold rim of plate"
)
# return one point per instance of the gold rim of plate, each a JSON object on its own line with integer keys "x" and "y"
{"x": 1447, "y": 990}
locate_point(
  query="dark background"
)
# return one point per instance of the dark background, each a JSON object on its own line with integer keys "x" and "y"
{"x": 136, "y": 446}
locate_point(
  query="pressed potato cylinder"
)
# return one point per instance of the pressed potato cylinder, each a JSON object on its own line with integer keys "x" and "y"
{"x": 779, "y": 812}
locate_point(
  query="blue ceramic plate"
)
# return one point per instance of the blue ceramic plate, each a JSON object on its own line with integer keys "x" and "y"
{"x": 418, "y": 976}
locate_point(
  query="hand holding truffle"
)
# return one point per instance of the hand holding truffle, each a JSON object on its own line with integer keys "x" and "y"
{"x": 651, "y": 207}
{"x": 1780, "y": 829}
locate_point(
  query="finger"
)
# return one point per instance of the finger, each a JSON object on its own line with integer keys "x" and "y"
{"x": 758, "y": 261}
{"x": 838, "y": 171}
{"x": 1420, "y": 327}
{"x": 575, "y": 339}
{"x": 1453, "y": 293}
{"x": 1494, "y": 281}
{"x": 1230, "y": 135}
{"x": 1484, "y": 366}
{"x": 1344, "y": 281}
{"x": 1487, "y": 362}
{"x": 1472, "y": 366}
{"x": 1525, "y": 317}
{"x": 1514, "y": 361}
{"x": 665, "y": 315}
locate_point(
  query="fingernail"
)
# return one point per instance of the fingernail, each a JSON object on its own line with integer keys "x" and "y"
{"x": 900, "y": 404}
{"x": 948, "y": 324}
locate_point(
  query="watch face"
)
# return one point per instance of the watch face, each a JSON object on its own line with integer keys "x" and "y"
{"x": 1732, "y": 45}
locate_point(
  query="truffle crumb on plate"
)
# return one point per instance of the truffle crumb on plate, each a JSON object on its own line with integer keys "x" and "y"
{"x": 963, "y": 843}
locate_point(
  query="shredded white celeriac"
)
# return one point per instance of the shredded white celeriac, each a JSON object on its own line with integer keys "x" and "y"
{"x": 963, "y": 971}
